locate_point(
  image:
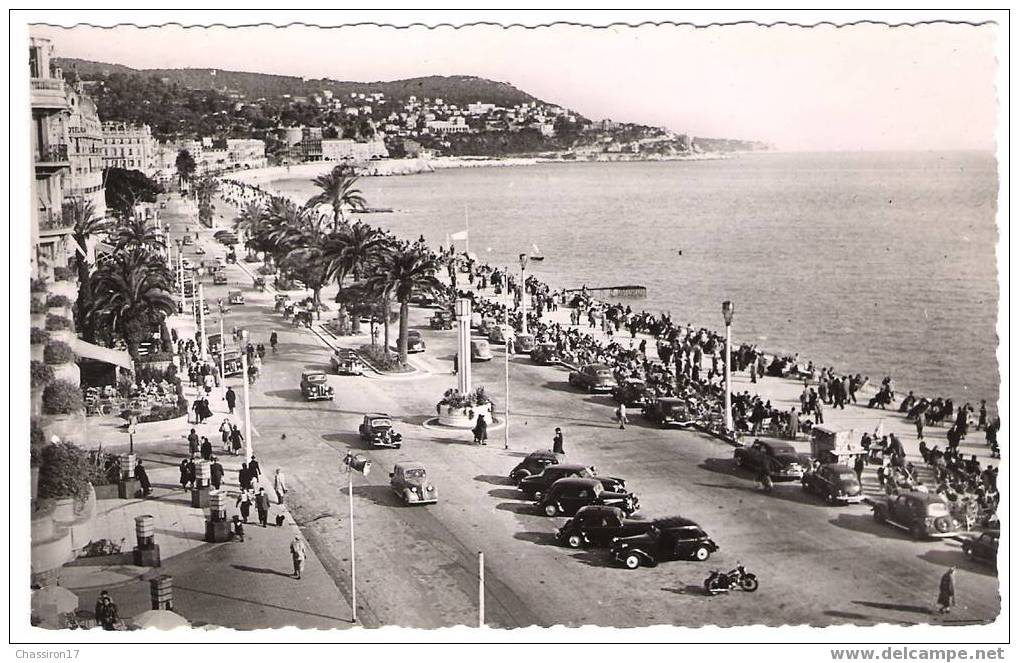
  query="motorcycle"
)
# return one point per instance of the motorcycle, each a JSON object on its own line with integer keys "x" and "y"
{"x": 739, "y": 578}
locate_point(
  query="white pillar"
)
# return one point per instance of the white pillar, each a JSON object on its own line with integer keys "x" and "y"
{"x": 728, "y": 378}
{"x": 523, "y": 294}
{"x": 481, "y": 590}
{"x": 463, "y": 325}
{"x": 222, "y": 350}
{"x": 204, "y": 348}
{"x": 353, "y": 565}
{"x": 247, "y": 393}
{"x": 506, "y": 414}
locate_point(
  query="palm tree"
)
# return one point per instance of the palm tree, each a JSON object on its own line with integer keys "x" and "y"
{"x": 350, "y": 249}
{"x": 185, "y": 166}
{"x": 82, "y": 214}
{"x": 136, "y": 232}
{"x": 338, "y": 192}
{"x": 251, "y": 220}
{"x": 407, "y": 271}
{"x": 132, "y": 295}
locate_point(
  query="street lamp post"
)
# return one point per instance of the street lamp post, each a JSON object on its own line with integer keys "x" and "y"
{"x": 204, "y": 347}
{"x": 523, "y": 293}
{"x": 506, "y": 424}
{"x": 222, "y": 348}
{"x": 727, "y": 311}
{"x": 247, "y": 408}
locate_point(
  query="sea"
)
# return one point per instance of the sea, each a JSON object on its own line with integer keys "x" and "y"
{"x": 882, "y": 263}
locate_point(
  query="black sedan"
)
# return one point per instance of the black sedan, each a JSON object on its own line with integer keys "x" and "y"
{"x": 779, "y": 458}
{"x": 534, "y": 463}
{"x": 836, "y": 483}
{"x": 669, "y": 539}
{"x": 537, "y": 485}
{"x": 598, "y": 525}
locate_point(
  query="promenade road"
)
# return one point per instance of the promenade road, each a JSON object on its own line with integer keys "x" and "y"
{"x": 417, "y": 565}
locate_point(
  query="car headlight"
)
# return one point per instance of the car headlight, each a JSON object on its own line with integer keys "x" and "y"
{"x": 430, "y": 488}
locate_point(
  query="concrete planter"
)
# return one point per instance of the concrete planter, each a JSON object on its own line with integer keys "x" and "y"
{"x": 62, "y": 311}
{"x": 38, "y": 320}
{"x": 68, "y": 289}
{"x": 63, "y": 510}
{"x": 68, "y": 427}
{"x": 36, "y": 351}
{"x": 68, "y": 371}
{"x": 35, "y": 483}
{"x": 63, "y": 335}
{"x": 36, "y": 402}
{"x": 107, "y": 492}
{"x": 464, "y": 417}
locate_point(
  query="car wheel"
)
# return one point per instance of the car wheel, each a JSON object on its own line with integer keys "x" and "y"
{"x": 702, "y": 554}
{"x": 575, "y": 541}
{"x": 551, "y": 510}
{"x": 804, "y": 486}
{"x": 830, "y": 499}
{"x": 918, "y": 533}
{"x": 536, "y": 496}
{"x": 739, "y": 460}
{"x": 632, "y": 561}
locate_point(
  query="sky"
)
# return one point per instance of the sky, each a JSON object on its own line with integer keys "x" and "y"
{"x": 865, "y": 87}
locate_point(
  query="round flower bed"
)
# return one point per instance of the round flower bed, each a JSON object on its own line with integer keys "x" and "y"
{"x": 462, "y": 410}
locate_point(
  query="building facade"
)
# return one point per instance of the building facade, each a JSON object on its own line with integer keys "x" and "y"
{"x": 129, "y": 146}
{"x": 82, "y": 131}
{"x": 246, "y": 152}
{"x": 344, "y": 148}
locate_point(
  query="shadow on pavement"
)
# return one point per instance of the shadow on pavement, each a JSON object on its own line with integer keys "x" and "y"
{"x": 562, "y": 386}
{"x": 851, "y": 616}
{"x": 382, "y": 495}
{"x": 900, "y": 607}
{"x": 688, "y": 590}
{"x": 540, "y": 538}
{"x": 594, "y": 557}
{"x": 494, "y": 479}
{"x": 724, "y": 466}
{"x": 865, "y": 523}
{"x": 350, "y": 439}
{"x": 957, "y": 558}
{"x": 292, "y": 395}
{"x": 519, "y": 508}
{"x": 507, "y": 494}
{"x": 256, "y": 569}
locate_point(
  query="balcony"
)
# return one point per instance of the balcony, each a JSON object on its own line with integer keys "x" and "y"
{"x": 48, "y": 95}
{"x": 52, "y": 224}
{"x": 51, "y": 158}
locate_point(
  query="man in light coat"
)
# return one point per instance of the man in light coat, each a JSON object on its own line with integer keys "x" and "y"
{"x": 279, "y": 483}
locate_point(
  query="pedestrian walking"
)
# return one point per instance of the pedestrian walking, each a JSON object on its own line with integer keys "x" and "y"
{"x": 184, "y": 474}
{"x": 206, "y": 449}
{"x": 298, "y": 553}
{"x": 193, "y": 442}
{"x": 946, "y": 591}
{"x": 858, "y": 466}
{"x": 557, "y": 442}
{"x": 244, "y": 477}
{"x": 244, "y": 504}
{"x": 921, "y": 421}
{"x": 216, "y": 473}
{"x": 254, "y": 468}
{"x": 262, "y": 506}
{"x": 481, "y": 430}
{"x": 224, "y": 430}
{"x": 279, "y": 484}
{"x": 982, "y": 421}
{"x": 231, "y": 399}
{"x": 621, "y": 416}
{"x": 235, "y": 439}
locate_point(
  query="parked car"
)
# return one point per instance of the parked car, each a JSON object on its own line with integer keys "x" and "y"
{"x": 441, "y": 320}
{"x": 485, "y": 326}
{"x": 923, "y": 515}
{"x": 523, "y": 344}
{"x": 499, "y": 333}
{"x": 597, "y": 525}
{"x": 634, "y": 393}
{"x": 780, "y": 458}
{"x": 669, "y": 412}
{"x": 346, "y": 362}
{"x": 409, "y": 480}
{"x": 219, "y": 277}
{"x": 200, "y": 250}
{"x": 836, "y": 483}
{"x": 545, "y": 354}
{"x": 536, "y": 485}
{"x": 422, "y": 299}
{"x": 669, "y": 539}
{"x": 377, "y": 429}
{"x": 236, "y": 297}
{"x": 220, "y": 262}
{"x": 480, "y": 350}
{"x": 414, "y": 341}
{"x": 983, "y": 547}
{"x": 187, "y": 240}
{"x": 593, "y": 377}
{"x": 534, "y": 463}
{"x": 315, "y": 386}
{"x": 567, "y": 496}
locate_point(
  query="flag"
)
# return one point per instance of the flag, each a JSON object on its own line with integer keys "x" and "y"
{"x": 460, "y": 235}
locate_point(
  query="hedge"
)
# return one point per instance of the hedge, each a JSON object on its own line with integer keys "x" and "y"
{"x": 39, "y": 336}
{"x": 57, "y": 300}
{"x": 61, "y": 274}
{"x": 37, "y": 307}
{"x": 58, "y": 352}
{"x": 61, "y": 397}
{"x": 57, "y": 323}
{"x": 38, "y": 285}
{"x": 64, "y": 472}
{"x": 42, "y": 374}
{"x": 165, "y": 412}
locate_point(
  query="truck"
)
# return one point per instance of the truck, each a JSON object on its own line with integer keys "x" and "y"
{"x": 831, "y": 445}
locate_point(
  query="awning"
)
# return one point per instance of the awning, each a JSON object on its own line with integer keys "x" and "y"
{"x": 119, "y": 358}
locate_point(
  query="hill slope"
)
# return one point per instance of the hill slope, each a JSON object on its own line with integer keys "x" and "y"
{"x": 459, "y": 90}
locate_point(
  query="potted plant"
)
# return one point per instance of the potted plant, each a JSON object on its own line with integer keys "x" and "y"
{"x": 58, "y": 352}
{"x": 38, "y": 339}
{"x": 59, "y": 305}
{"x": 42, "y": 374}
{"x": 37, "y": 312}
{"x": 57, "y": 323}
{"x": 62, "y": 410}
{"x": 64, "y": 473}
{"x": 462, "y": 410}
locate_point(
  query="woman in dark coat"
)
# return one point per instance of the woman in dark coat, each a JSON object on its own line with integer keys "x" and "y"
{"x": 184, "y": 473}
{"x": 481, "y": 430}
{"x": 235, "y": 439}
